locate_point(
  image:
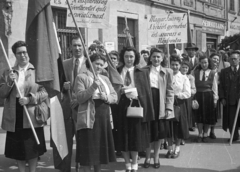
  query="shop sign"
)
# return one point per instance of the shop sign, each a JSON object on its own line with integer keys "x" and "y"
{"x": 213, "y": 27}
{"x": 167, "y": 29}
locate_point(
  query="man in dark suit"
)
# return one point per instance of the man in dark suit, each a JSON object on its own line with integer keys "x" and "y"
{"x": 191, "y": 58}
{"x": 229, "y": 93}
{"x": 72, "y": 68}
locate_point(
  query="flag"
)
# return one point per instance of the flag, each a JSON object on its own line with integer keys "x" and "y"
{"x": 189, "y": 33}
{"x": 44, "y": 55}
{"x": 42, "y": 45}
{"x": 129, "y": 43}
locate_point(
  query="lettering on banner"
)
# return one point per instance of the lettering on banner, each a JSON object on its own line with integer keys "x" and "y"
{"x": 89, "y": 13}
{"x": 167, "y": 29}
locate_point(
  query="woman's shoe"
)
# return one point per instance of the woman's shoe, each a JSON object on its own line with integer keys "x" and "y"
{"x": 146, "y": 163}
{"x": 169, "y": 154}
{"x": 128, "y": 170}
{"x": 205, "y": 139}
{"x": 182, "y": 142}
{"x": 176, "y": 154}
{"x": 199, "y": 139}
{"x": 133, "y": 170}
{"x": 156, "y": 165}
{"x": 162, "y": 146}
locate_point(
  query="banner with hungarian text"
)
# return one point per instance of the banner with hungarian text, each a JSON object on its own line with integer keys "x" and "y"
{"x": 167, "y": 29}
{"x": 89, "y": 13}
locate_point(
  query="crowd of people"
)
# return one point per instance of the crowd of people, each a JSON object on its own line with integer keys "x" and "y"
{"x": 170, "y": 102}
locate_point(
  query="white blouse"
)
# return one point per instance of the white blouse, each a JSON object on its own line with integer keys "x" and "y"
{"x": 215, "y": 83}
{"x": 21, "y": 79}
{"x": 154, "y": 77}
{"x": 181, "y": 86}
{"x": 131, "y": 71}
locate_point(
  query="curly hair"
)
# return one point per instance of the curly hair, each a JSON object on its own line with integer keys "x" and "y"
{"x": 17, "y": 45}
{"x": 137, "y": 55}
{"x": 94, "y": 57}
{"x": 175, "y": 58}
{"x": 155, "y": 50}
{"x": 115, "y": 53}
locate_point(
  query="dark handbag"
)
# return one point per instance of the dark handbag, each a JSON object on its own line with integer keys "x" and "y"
{"x": 176, "y": 111}
{"x": 42, "y": 113}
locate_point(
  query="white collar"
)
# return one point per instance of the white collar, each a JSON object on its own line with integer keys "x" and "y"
{"x": 128, "y": 69}
{"x": 233, "y": 67}
{"x": 156, "y": 68}
{"x": 23, "y": 68}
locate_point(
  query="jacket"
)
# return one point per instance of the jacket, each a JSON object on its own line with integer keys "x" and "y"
{"x": 142, "y": 83}
{"x": 84, "y": 89}
{"x": 166, "y": 95}
{"x": 35, "y": 92}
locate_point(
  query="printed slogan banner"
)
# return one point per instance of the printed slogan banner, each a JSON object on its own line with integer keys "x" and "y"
{"x": 89, "y": 13}
{"x": 167, "y": 29}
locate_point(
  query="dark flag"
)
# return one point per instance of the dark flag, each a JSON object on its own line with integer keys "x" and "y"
{"x": 43, "y": 50}
{"x": 42, "y": 45}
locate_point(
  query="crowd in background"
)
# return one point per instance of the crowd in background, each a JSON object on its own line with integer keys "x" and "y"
{"x": 172, "y": 96}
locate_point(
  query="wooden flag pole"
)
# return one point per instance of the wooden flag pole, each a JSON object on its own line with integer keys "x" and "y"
{"x": 235, "y": 121}
{"x": 19, "y": 92}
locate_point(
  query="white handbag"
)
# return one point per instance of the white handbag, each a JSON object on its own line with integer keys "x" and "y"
{"x": 135, "y": 112}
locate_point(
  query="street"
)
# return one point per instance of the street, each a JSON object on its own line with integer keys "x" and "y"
{"x": 214, "y": 156}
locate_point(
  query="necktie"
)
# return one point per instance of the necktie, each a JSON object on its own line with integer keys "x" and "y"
{"x": 127, "y": 80}
{"x": 235, "y": 70}
{"x": 203, "y": 77}
{"x": 76, "y": 68}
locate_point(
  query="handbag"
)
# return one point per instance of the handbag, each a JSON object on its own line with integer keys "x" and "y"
{"x": 195, "y": 104}
{"x": 42, "y": 113}
{"x": 135, "y": 112}
{"x": 176, "y": 112}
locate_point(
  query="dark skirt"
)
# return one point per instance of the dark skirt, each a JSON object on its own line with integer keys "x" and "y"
{"x": 95, "y": 146}
{"x": 180, "y": 128}
{"x": 21, "y": 144}
{"x": 190, "y": 113}
{"x": 133, "y": 134}
{"x": 159, "y": 127}
{"x": 206, "y": 113}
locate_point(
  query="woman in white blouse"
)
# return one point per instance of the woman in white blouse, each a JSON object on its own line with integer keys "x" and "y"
{"x": 133, "y": 133}
{"x": 182, "y": 91}
{"x": 207, "y": 97}
{"x": 163, "y": 98}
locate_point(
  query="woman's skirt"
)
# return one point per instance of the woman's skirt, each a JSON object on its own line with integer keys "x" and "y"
{"x": 21, "y": 144}
{"x": 159, "y": 128}
{"x": 190, "y": 113}
{"x": 206, "y": 113}
{"x": 133, "y": 134}
{"x": 180, "y": 128}
{"x": 95, "y": 146}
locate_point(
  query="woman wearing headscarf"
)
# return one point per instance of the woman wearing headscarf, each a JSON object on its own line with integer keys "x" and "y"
{"x": 20, "y": 141}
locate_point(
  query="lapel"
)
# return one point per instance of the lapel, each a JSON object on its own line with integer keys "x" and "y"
{"x": 162, "y": 73}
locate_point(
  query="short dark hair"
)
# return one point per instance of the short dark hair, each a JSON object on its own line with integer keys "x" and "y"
{"x": 137, "y": 55}
{"x": 234, "y": 52}
{"x": 203, "y": 56}
{"x": 215, "y": 54}
{"x": 92, "y": 47}
{"x": 94, "y": 57}
{"x": 175, "y": 58}
{"x": 75, "y": 37}
{"x": 17, "y": 45}
{"x": 186, "y": 63}
{"x": 115, "y": 53}
{"x": 154, "y": 50}
{"x": 144, "y": 51}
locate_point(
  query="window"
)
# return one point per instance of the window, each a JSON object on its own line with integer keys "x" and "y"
{"x": 231, "y": 5}
{"x": 65, "y": 34}
{"x": 121, "y": 35}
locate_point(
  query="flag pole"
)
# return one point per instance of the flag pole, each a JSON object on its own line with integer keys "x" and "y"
{"x": 235, "y": 121}
{"x": 83, "y": 44}
{"x": 19, "y": 92}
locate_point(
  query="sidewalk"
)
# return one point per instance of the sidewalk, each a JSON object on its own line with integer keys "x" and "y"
{"x": 195, "y": 157}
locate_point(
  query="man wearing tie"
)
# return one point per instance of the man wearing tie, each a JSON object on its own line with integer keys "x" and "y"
{"x": 229, "y": 93}
{"x": 192, "y": 59}
{"x": 72, "y": 68}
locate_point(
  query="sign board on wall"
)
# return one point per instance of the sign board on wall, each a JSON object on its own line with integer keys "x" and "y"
{"x": 167, "y": 29}
{"x": 234, "y": 28}
{"x": 89, "y": 13}
{"x": 213, "y": 27}
{"x": 109, "y": 46}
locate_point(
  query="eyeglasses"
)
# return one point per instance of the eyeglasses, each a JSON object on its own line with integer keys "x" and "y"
{"x": 22, "y": 52}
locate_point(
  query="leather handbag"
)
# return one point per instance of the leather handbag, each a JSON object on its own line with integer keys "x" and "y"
{"x": 135, "y": 112}
{"x": 42, "y": 113}
{"x": 195, "y": 104}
